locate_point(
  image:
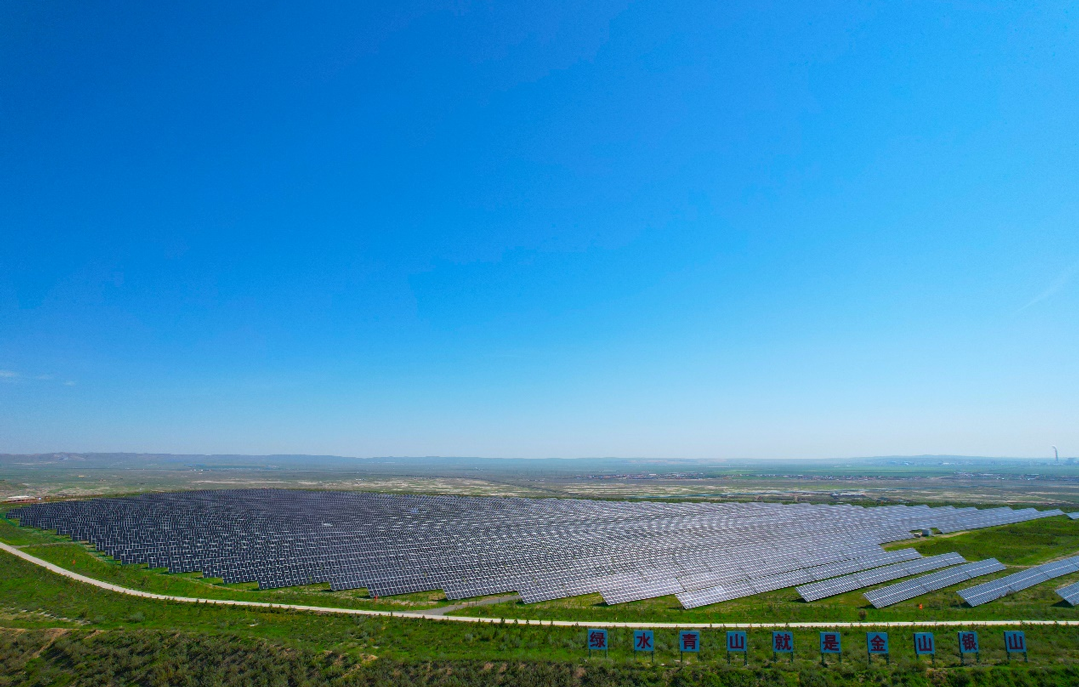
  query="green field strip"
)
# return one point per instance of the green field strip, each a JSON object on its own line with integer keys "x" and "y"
{"x": 88, "y": 613}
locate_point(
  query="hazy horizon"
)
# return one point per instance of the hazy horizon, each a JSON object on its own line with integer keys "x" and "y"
{"x": 625, "y": 459}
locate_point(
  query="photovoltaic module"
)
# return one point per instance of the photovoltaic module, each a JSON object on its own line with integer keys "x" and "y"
{"x": 1024, "y": 579}
{"x": 473, "y": 546}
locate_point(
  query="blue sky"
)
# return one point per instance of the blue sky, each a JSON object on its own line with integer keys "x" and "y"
{"x": 540, "y": 229}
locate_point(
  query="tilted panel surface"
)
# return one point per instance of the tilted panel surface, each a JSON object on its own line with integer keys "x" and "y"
{"x": 1024, "y": 579}
{"x": 472, "y": 546}
{"x": 848, "y": 583}
{"x": 904, "y": 591}
{"x": 1070, "y": 593}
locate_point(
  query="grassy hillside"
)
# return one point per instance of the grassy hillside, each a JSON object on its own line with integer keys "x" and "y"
{"x": 170, "y": 659}
{"x": 85, "y": 560}
{"x": 57, "y": 631}
{"x": 1017, "y": 546}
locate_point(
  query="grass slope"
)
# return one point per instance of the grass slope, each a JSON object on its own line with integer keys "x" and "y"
{"x": 58, "y": 631}
{"x": 1022, "y": 544}
{"x": 85, "y": 560}
{"x": 151, "y": 658}
{"x": 1019, "y": 545}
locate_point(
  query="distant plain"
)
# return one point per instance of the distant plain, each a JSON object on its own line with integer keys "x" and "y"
{"x": 923, "y": 479}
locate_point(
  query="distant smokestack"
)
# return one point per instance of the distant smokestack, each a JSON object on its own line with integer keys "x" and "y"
{"x": 1055, "y": 454}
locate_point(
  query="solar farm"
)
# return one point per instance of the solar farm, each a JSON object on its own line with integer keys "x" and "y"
{"x": 528, "y": 581}
{"x": 542, "y": 549}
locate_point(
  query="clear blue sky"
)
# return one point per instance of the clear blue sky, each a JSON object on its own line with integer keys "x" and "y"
{"x": 694, "y": 229}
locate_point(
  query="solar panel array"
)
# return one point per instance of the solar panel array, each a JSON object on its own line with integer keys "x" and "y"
{"x": 969, "y": 518}
{"x": 1070, "y": 593}
{"x": 1073, "y": 515}
{"x": 473, "y": 546}
{"x": 848, "y": 583}
{"x": 893, "y": 594}
{"x": 994, "y": 589}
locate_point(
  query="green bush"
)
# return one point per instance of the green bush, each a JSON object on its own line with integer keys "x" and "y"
{"x": 153, "y": 658}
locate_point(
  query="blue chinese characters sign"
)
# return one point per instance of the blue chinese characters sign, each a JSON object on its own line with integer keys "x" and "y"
{"x": 968, "y": 642}
{"x": 597, "y": 640}
{"x": 643, "y": 640}
{"x": 1015, "y": 642}
{"x": 924, "y": 643}
{"x": 876, "y": 642}
{"x": 689, "y": 640}
{"x": 736, "y": 642}
{"x": 783, "y": 642}
{"x": 830, "y": 643}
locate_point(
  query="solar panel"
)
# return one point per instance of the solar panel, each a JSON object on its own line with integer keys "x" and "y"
{"x": 1024, "y": 579}
{"x": 471, "y": 546}
{"x": 848, "y": 583}
{"x": 904, "y": 591}
{"x": 1070, "y": 593}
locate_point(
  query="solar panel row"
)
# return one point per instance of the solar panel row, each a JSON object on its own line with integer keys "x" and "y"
{"x": 994, "y": 589}
{"x": 1070, "y": 593}
{"x": 848, "y": 583}
{"x": 893, "y": 594}
{"x": 472, "y": 546}
{"x": 740, "y": 586}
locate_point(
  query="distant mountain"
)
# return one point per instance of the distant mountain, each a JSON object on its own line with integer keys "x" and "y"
{"x": 464, "y": 463}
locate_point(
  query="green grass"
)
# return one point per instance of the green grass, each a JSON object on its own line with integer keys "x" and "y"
{"x": 10, "y": 533}
{"x": 786, "y": 606}
{"x": 154, "y": 658}
{"x": 1021, "y": 544}
{"x": 110, "y": 638}
{"x": 33, "y": 598}
{"x": 87, "y": 561}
